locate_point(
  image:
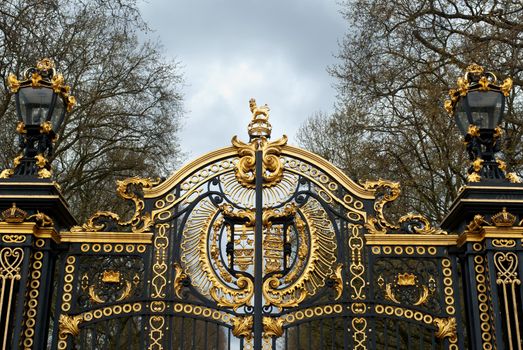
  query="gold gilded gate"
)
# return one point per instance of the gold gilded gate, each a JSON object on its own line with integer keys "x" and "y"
{"x": 257, "y": 245}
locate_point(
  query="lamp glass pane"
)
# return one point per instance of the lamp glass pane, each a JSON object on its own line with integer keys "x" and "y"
{"x": 34, "y": 104}
{"x": 58, "y": 114}
{"x": 461, "y": 117}
{"x": 485, "y": 108}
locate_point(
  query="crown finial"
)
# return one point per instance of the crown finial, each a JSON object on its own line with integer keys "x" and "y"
{"x": 259, "y": 127}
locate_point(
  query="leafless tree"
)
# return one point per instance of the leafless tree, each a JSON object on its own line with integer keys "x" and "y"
{"x": 396, "y": 64}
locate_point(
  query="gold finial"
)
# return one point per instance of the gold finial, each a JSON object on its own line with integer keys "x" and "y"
{"x": 475, "y": 68}
{"x": 45, "y": 64}
{"x": 259, "y": 127}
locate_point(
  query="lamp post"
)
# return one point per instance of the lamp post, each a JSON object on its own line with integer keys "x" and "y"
{"x": 42, "y": 100}
{"x": 487, "y": 215}
{"x": 32, "y": 210}
{"x": 477, "y": 105}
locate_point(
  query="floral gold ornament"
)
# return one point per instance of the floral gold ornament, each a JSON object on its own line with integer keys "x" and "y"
{"x": 69, "y": 325}
{"x": 273, "y": 327}
{"x": 447, "y": 328}
{"x": 242, "y": 326}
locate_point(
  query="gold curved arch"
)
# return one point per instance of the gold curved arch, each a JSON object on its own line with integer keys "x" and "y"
{"x": 222, "y": 153}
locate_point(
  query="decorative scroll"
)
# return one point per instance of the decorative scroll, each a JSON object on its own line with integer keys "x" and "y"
{"x": 410, "y": 223}
{"x": 407, "y": 284}
{"x": 391, "y": 192}
{"x": 272, "y": 165}
{"x": 129, "y": 189}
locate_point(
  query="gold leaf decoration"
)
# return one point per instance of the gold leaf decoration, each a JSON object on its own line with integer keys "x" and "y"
{"x": 447, "y": 328}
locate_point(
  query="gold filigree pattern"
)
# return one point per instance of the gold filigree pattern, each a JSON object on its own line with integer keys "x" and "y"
{"x": 503, "y": 243}
{"x": 127, "y": 189}
{"x": 356, "y": 267}
{"x": 14, "y": 238}
{"x": 359, "y": 325}
{"x": 156, "y": 333}
{"x": 159, "y": 267}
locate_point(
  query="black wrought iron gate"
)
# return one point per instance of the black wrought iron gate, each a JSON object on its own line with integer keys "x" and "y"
{"x": 258, "y": 245}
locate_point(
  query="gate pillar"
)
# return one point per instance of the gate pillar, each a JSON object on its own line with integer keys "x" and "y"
{"x": 488, "y": 218}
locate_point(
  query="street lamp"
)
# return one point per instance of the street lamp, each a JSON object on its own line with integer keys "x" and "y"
{"x": 42, "y": 100}
{"x": 477, "y": 106}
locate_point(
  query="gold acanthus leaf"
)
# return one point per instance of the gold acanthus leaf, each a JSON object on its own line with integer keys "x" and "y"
{"x": 447, "y": 327}
{"x": 273, "y": 327}
{"x": 69, "y": 325}
{"x": 242, "y": 326}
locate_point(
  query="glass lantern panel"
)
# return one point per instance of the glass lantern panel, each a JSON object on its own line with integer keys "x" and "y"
{"x": 485, "y": 108}
{"x": 461, "y": 117}
{"x": 58, "y": 114}
{"x": 34, "y": 104}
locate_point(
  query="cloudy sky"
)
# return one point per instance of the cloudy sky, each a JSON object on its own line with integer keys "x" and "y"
{"x": 232, "y": 50}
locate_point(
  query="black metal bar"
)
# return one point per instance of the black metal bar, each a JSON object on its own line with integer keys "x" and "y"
{"x": 321, "y": 333}
{"x": 258, "y": 251}
{"x": 217, "y": 336}
{"x": 182, "y": 333}
{"x": 205, "y": 334}
{"x": 193, "y": 333}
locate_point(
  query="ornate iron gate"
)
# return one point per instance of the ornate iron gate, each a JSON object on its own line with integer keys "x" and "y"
{"x": 257, "y": 245}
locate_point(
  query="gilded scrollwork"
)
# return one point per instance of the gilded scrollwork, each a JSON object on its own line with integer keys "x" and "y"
{"x": 272, "y": 164}
{"x": 128, "y": 189}
{"x": 404, "y": 281}
{"x": 10, "y": 262}
{"x": 356, "y": 267}
{"x": 391, "y": 191}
